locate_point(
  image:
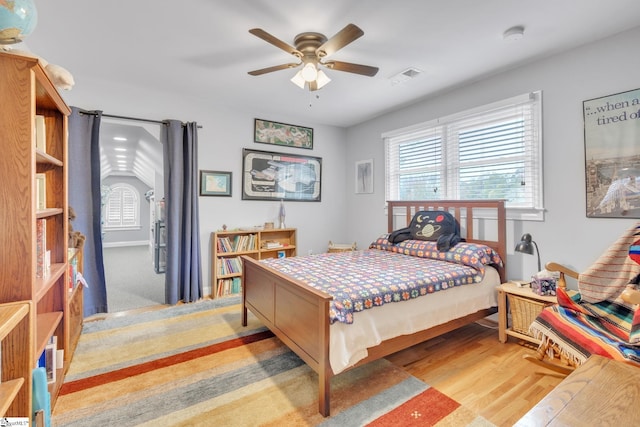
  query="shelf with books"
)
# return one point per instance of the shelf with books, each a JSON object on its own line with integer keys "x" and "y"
{"x": 227, "y": 248}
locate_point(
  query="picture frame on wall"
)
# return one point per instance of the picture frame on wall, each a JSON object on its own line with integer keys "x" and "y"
{"x": 612, "y": 155}
{"x": 269, "y": 175}
{"x": 215, "y": 183}
{"x": 276, "y": 133}
{"x": 364, "y": 177}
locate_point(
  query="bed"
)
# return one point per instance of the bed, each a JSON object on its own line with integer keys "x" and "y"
{"x": 304, "y": 317}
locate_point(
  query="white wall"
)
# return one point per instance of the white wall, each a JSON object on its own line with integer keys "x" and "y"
{"x": 223, "y": 135}
{"x": 566, "y": 235}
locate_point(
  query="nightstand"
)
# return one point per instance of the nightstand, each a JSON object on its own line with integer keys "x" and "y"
{"x": 524, "y": 305}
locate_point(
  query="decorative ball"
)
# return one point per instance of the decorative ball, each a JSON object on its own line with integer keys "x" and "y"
{"x": 18, "y": 19}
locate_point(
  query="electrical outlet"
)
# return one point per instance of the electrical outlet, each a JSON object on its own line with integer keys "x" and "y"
{"x": 310, "y": 252}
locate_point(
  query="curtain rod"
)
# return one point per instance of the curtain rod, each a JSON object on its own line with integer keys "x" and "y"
{"x": 113, "y": 116}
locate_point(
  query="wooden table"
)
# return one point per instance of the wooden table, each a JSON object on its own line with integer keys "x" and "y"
{"x": 600, "y": 392}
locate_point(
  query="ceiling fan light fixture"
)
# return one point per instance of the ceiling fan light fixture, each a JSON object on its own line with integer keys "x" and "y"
{"x": 322, "y": 79}
{"x": 298, "y": 80}
{"x": 309, "y": 72}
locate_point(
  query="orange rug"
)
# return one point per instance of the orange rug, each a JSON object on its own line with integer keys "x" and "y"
{"x": 195, "y": 365}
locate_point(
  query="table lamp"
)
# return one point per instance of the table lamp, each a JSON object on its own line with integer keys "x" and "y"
{"x": 526, "y": 245}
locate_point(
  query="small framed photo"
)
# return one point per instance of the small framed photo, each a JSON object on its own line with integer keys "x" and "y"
{"x": 364, "y": 176}
{"x": 215, "y": 183}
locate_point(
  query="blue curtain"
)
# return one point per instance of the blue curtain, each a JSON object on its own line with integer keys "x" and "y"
{"x": 85, "y": 199}
{"x": 183, "y": 276}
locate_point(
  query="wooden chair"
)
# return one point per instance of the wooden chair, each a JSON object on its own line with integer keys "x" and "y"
{"x": 586, "y": 336}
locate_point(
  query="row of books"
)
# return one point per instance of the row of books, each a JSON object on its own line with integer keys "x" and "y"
{"x": 229, "y": 265}
{"x": 51, "y": 359}
{"x": 43, "y": 256}
{"x": 240, "y": 243}
{"x": 229, "y": 286}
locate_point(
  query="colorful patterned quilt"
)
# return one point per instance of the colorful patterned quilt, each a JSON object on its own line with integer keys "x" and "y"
{"x": 387, "y": 273}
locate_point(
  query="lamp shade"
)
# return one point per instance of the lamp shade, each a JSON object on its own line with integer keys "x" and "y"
{"x": 525, "y": 245}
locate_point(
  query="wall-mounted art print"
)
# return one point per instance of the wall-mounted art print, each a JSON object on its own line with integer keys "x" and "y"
{"x": 364, "y": 176}
{"x": 280, "y": 176}
{"x": 215, "y": 183}
{"x": 267, "y": 132}
{"x": 612, "y": 155}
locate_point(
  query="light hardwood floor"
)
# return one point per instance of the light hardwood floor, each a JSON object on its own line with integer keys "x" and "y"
{"x": 471, "y": 366}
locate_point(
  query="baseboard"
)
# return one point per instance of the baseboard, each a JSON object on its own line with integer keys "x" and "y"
{"x": 123, "y": 244}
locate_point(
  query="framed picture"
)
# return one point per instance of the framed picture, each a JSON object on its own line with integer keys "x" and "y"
{"x": 612, "y": 155}
{"x": 279, "y": 176}
{"x": 267, "y": 132}
{"x": 364, "y": 176}
{"x": 215, "y": 183}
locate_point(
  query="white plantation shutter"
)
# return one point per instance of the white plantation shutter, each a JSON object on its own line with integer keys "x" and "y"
{"x": 123, "y": 207}
{"x": 493, "y": 152}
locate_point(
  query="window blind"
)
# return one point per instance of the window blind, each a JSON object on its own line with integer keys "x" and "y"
{"x": 493, "y": 152}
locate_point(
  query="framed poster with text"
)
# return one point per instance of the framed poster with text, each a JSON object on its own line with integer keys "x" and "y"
{"x": 612, "y": 155}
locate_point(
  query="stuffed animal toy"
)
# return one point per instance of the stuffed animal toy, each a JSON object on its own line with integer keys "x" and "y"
{"x": 60, "y": 77}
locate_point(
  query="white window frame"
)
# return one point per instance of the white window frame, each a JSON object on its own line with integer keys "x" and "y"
{"x": 118, "y": 190}
{"x": 448, "y": 165}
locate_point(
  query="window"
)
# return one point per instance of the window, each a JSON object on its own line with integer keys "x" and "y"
{"x": 122, "y": 209}
{"x": 492, "y": 152}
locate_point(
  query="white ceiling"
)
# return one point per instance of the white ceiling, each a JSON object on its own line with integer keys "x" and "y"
{"x": 203, "y": 48}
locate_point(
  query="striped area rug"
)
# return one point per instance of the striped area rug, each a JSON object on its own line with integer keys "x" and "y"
{"x": 195, "y": 365}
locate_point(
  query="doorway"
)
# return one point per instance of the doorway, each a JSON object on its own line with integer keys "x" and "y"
{"x": 132, "y": 192}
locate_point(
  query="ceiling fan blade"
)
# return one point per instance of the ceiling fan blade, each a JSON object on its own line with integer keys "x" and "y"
{"x": 365, "y": 70}
{"x": 272, "y": 69}
{"x": 260, "y": 33}
{"x": 345, "y": 36}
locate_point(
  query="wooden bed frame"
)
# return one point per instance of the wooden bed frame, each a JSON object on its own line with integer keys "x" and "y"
{"x": 299, "y": 314}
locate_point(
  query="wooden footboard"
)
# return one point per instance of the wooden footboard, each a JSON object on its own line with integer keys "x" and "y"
{"x": 296, "y": 313}
{"x": 299, "y": 314}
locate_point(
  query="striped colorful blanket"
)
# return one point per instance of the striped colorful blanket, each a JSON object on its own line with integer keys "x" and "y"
{"x": 580, "y": 329}
{"x": 615, "y": 268}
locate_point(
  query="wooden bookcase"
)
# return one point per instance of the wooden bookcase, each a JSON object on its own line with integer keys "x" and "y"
{"x": 26, "y": 92}
{"x": 226, "y": 266}
{"x": 15, "y": 333}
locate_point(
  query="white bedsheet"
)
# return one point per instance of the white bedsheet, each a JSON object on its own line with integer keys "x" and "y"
{"x": 349, "y": 343}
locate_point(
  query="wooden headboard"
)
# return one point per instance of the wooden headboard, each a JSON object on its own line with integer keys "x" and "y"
{"x": 477, "y": 218}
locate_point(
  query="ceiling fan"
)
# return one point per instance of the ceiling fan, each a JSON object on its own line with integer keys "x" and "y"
{"x": 311, "y": 48}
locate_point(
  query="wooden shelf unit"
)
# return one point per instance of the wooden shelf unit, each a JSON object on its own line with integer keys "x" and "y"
{"x": 15, "y": 325}
{"x": 26, "y": 92}
{"x": 285, "y": 237}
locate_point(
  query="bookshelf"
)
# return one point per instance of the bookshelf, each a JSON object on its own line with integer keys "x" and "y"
{"x": 15, "y": 326}
{"x": 229, "y": 246}
{"x": 27, "y": 92}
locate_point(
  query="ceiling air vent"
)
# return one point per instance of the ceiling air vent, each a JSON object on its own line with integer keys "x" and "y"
{"x": 408, "y": 74}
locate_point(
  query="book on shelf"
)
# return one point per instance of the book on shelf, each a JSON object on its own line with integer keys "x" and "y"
{"x": 41, "y": 247}
{"x": 228, "y": 287}
{"x": 41, "y": 134}
{"x": 48, "y": 360}
{"x": 271, "y": 244}
{"x": 240, "y": 243}
{"x": 229, "y": 265}
{"x": 41, "y": 191}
